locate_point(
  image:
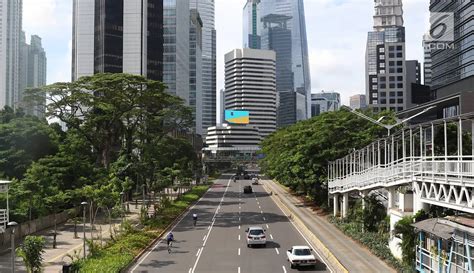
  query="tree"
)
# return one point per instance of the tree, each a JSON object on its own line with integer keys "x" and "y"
{"x": 31, "y": 251}
{"x": 113, "y": 112}
{"x": 23, "y": 140}
{"x": 297, "y": 156}
{"x": 407, "y": 233}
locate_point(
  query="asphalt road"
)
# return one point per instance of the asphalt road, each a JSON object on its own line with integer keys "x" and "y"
{"x": 217, "y": 244}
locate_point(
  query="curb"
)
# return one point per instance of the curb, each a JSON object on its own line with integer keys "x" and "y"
{"x": 160, "y": 235}
{"x": 331, "y": 259}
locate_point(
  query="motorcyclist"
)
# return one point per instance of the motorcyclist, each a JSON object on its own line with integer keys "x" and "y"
{"x": 195, "y": 218}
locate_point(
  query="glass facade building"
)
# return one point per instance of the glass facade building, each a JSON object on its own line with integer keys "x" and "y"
{"x": 11, "y": 33}
{"x": 456, "y": 61}
{"x": 281, "y": 26}
{"x": 206, "y": 11}
{"x": 117, "y": 36}
{"x": 195, "y": 65}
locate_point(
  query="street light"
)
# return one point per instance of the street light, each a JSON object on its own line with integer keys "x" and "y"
{"x": 386, "y": 126}
{"x": 121, "y": 204}
{"x": 12, "y": 225}
{"x": 84, "y": 204}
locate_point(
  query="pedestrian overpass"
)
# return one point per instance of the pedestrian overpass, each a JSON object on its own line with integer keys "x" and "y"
{"x": 418, "y": 166}
{"x": 434, "y": 160}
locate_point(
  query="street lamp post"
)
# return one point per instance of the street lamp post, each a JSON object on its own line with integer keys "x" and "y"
{"x": 121, "y": 205}
{"x": 12, "y": 225}
{"x": 84, "y": 204}
{"x": 386, "y": 126}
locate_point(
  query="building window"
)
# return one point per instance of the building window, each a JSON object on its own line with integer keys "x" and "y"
{"x": 392, "y": 85}
{"x": 382, "y": 49}
{"x": 399, "y": 70}
{"x": 400, "y": 100}
{"x": 399, "y": 78}
{"x": 383, "y": 101}
{"x": 374, "y": 80}
{"x": 391, "y": 48}
{"x": 400, "y": 85}
{"x": 400, "y": 93}
{"x": 383, "y": 94}
{"x": 392, "y": 101}
{"x": 399, "y": 48}
{"x": 392, "y": 94}
{"x": 382, "y": 79}
{"x": 383, "y": 86}
{"x": 399, "y": 55}
{"x": 374, "y": 95}
{"x": 392, "y": 78}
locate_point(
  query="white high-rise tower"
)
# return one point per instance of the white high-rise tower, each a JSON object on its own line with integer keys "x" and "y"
{"x": 250, "y": 85}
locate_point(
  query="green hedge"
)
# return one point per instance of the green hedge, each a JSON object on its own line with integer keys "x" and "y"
{"x": 120, "y": 253}
{"x": 377, "y": 243}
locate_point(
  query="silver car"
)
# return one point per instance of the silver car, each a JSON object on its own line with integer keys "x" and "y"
{"x": 256, "y": 236}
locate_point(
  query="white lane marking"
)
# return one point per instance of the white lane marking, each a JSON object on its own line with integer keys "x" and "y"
{"x": 199, "y": 250}
{"x": 261, "y": 211}
{"x": 161, "y": 240}
{"x": 264, "y": 219}
{"x": 238, "y": 269}
{"x": 284, "y": 269}
{"x": 278, "y": 252}
{"x": 239, "y": 252}
{"x": 307, "y": 241}
{"x": 239, "y": 219}
{"x": 239, "y": 226}
{"x": 209, "y": 232}
{"x": 209, "y": 227}
{"x": 267, "y": 226}
{"x": 239, "y": 237}
{"x": 204, "y": 238}
{"x": 190, "y": 269}
{"x": 259, "y": 207}
{"x": 271, "y": 236}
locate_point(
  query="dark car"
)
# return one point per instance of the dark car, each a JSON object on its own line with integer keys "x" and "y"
{"x": 247, "y": 189}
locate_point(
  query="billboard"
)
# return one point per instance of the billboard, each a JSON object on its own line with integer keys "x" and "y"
{"x": 237, "y": 117}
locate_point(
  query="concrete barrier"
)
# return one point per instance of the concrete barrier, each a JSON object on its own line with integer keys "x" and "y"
{"x": 335, "y": 264}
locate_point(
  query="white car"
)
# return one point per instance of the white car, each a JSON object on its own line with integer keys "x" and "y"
{"x": 300, "y": 256}
{"x": 256, "y": 236}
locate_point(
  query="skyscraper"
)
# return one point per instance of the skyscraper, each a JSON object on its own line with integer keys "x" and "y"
{"x": 386, "y": 85}
{"x": 176, "y": 48}
{"x": 33, "y": 71}
{"x": 250, "y": 86}
{"x": 206, "y": 11}
{"x": 453, "y": 60}
{"x": 118, "y": 36}
{"x": 427, "y": 63}
{"x": 252, "y": 25}
{"x": 280, "y": 25}
{"x": 195, "y": 67}
{"x": 11, "y": 34}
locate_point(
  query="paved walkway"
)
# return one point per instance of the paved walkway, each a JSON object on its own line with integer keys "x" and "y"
{"x": 54, "y": 258}
{"x": 353, "y": 256}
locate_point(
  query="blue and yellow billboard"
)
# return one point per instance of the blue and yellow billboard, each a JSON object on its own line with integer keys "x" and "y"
{"x": 237, "y": 117}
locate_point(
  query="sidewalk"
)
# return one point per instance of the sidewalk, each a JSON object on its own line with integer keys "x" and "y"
{"x": 54, "y": 258}
{"x": 66, "y": 243}
{"x": 354, "y": 257}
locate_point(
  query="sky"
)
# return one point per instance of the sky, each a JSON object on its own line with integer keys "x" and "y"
{"x": 336, "y": 32}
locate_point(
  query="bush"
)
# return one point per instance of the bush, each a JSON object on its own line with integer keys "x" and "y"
{"x": 376, "y": 242}
{"x": 120, "y": 252}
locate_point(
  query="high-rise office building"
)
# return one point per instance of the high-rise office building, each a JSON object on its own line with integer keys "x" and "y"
{"x": 251, "y": 24}
{"x": 176, "y": 48}
{"x": 358, "y": 101}
{"x": 206, "y": 11}
{"x": 427, "y": 63}
{"x": 11, "y": 34}
{"x": 250, "y": 85}
{"x": 33, "y": 65}
{"x": 118, "y": 36}
{"x": 195, "y": 67}
{"x": 324, "y": 102}
{"x": 280, "y": 25}
{"x": 453, "y": 60}
{"x": 386, "y": 85}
